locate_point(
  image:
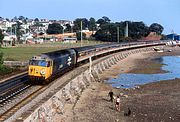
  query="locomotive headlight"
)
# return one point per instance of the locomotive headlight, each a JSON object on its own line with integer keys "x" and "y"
{"x": 43, "y": 72}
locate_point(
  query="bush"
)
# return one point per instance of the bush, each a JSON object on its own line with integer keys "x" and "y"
{"x": 126, "y": 39}
{"x": 1, "y": 58}
{"x": 10, "y": 59}
{"x": 5, "y": 70}
{"x": 78, "y": 35}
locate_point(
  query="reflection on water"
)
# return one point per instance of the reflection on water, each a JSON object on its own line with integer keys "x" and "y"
{"x": 172, "y": 65}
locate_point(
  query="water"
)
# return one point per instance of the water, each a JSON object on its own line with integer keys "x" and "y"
{"x": 172, "y": 66}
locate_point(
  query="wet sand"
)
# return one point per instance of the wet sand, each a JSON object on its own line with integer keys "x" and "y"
{"x": 158, "y": 101}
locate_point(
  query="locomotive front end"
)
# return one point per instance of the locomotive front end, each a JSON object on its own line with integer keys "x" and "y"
{"x": 39, "y": 68}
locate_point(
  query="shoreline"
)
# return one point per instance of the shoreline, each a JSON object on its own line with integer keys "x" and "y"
{"x": 149, "y": 102}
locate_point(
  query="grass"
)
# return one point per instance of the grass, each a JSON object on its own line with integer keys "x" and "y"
{"x": 24, "y": 52}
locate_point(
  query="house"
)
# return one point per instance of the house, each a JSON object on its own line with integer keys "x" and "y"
{"x": 9, "y": 40}
{"x": 27, "y": 36}
{"x": 4, "y": 24}
{"x": 173, "y": 36}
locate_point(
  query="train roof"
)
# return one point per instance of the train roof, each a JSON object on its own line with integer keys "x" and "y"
{"x": 81, "y": 49}
{"x": 57, "y": 53}
{"x": 86, "y": 48}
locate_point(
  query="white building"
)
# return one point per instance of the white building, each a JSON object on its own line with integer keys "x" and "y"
{"x": 8, "y": 40}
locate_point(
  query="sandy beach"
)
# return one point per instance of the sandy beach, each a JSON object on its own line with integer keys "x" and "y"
{"x": 158, "y": 101}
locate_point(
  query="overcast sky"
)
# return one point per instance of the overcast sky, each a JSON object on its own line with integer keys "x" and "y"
{"x": 164, "y": 12}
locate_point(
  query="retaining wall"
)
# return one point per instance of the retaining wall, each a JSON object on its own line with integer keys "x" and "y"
{"x": 69, "y": 94}
{"x": 16, "y": 63}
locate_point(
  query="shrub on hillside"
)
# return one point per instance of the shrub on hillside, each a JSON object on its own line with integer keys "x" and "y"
{"x": 5, "y": 70}
{"x": 1, "y": 58}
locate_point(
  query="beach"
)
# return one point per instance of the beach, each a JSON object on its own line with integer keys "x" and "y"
{"x": 157, "y": 101}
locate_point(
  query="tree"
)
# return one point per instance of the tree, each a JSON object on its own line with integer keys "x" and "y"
{"x": 36, "y": 20}
{"x": 15, "y": 19}
{"x": 100, "y": 22}
{"x": 18, "y": 31}
{"x": 78, "y": 35}
{"x": 137, "y": 30}
{"x": 1, "y": 38}
{"x": 7, "y": 19}
{"x": 92, "y": 24}
{"x": 155, "y": 27}
{"x": 54, "y": 28}
{"x": 108, "y": 32}
{"x": 106, "y": 19}
{"x": 103, "y": 20}
{"x": 68, "y": 28}
{"x": 77, "y": 24}
{"x": 21, "y": 18}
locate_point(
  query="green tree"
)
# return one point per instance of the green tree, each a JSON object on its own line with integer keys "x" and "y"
{"x": 68, "y": 28}
{"x": 78, "y": 35}
{"x": 36, "y": 20}
{"x": 54, "y": 28}
{"x": 18, "y": 31}
{"x": 77, "y": 24}
{"x": 106, "y": 19}
{"x": 1, "y": 38}
{"x": 92, "y": 24}
{"x": 103, "y": 20}
{"x": 155, "y": 27}
{"x": 137, "y": 30}
{"x": 21, "y": 18}
{"x": 15, "y": 18}
{"x": 108, "y": 32}
{"x": 100, "y": 22}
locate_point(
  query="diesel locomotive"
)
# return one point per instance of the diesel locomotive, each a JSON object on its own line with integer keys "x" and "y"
{"x": 47, "y": 65}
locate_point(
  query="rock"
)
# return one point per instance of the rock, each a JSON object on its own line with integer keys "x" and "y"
{"x": 121, "y": 94}
{"x": 126, "y": 96}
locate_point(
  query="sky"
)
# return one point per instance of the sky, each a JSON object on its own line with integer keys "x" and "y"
{"x": 164, "y": 12}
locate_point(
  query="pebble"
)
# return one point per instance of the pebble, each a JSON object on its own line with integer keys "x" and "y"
{"x": 126, "y": 96}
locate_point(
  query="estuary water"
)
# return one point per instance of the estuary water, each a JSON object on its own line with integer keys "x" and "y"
{"x": 171, "y": 64}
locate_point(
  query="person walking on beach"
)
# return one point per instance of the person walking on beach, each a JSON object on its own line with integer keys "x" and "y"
{"x": 111, "y": 95}
{"x": 117, "y": 103}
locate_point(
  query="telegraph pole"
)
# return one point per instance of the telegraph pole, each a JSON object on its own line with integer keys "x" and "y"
{"x": 81, "y": 33}
{"x": 126, "y": 30}
{"x": 118, "y": 34}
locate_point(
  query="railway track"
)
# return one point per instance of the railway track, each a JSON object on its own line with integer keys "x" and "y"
{"x": 14, "y": 93}
{"x": 12, "y": 87}
{"x": 21, "y": 103}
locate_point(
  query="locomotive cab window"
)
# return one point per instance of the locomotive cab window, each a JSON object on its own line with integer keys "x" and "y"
{"x": 40, "y": 63}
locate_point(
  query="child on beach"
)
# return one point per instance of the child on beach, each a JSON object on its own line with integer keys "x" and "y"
{"x": 111, "y": 95}
{"x": 117, "y": 103}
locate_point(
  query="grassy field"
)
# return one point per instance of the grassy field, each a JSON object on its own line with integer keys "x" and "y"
{"x": 25, "y": 51}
